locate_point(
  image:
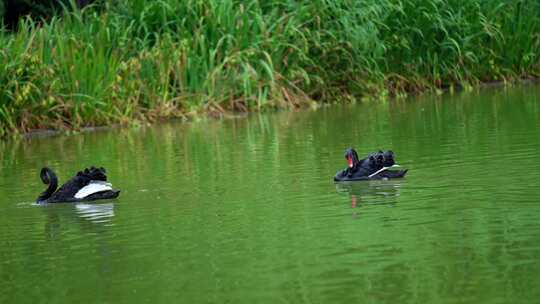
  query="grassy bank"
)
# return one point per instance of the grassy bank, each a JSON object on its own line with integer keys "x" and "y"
{"x": 143, "y": 60}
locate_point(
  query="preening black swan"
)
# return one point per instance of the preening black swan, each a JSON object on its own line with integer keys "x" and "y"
{"x": 88, "y": 185}
{"x": 374, "y": 166}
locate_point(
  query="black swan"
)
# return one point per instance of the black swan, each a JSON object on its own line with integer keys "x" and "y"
{"x": 88, "y": 185}
{"x": 374, "y": 166}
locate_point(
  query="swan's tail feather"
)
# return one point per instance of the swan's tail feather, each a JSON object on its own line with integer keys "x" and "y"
{"x": 392, "y": 174}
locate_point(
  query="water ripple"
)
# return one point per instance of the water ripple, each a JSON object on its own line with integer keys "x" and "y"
{"x": 246, "y": 210}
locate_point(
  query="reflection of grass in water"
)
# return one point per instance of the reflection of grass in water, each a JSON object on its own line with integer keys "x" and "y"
{"x": 140, "y": 60}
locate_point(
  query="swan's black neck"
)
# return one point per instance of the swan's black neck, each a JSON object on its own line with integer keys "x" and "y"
{"x": 47, "y": 177}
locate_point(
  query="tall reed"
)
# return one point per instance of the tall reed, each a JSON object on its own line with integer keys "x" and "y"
{"x": 138, "y": 60}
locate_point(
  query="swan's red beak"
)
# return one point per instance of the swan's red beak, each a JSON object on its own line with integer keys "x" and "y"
{"x": 349, "y": 160}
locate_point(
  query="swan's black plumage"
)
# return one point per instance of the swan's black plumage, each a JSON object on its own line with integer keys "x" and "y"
{"x": 66, "y": 193}
{"x": 361, "y": 169}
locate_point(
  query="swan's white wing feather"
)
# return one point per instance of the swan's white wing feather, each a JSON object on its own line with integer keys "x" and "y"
{"x": 93, "y": 187}
{"x": 384, "y": 168}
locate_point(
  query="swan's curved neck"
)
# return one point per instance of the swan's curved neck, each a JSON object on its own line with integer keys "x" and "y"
{"x": 47, "y": 177}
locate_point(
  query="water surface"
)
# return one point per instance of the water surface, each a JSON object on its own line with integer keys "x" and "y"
{"x": 245, "y": 210}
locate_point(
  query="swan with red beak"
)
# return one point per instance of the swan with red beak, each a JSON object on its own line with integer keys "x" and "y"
{"x": 374, "y": 166}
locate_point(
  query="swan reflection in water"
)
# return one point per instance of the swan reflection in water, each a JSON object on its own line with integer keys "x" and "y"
{"x": 90, "y": 218}
{"x": 95, "y": 213}
{"x": 371, "y": 192}
{"x": 75, "y": 228}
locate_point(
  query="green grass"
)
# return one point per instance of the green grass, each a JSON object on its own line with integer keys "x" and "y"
{"x": 142, "y": 60}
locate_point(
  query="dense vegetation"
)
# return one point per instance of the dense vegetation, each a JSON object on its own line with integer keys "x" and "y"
{"x": 13, "y": 10}
{"x": 135, "y": 60}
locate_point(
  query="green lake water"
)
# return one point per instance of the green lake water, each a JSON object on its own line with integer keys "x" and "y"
{"x": 245, "y": 210}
